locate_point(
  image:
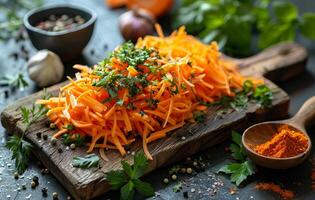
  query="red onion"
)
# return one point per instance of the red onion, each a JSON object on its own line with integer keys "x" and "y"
{"x": 136, "y": 23}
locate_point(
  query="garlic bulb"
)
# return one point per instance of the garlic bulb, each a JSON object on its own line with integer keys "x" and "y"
{"x": 45, "y": 68}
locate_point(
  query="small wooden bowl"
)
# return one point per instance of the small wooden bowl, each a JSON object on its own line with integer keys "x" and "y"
{"x": 263, "y": 132}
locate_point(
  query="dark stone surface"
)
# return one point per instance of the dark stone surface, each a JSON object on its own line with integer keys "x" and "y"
{"x": 197, "y": 185}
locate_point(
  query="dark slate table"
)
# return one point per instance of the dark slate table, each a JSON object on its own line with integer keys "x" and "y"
{"x": 203, "y": 185}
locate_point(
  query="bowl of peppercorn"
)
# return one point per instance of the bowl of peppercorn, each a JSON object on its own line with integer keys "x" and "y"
{"x": 63, "y": 29}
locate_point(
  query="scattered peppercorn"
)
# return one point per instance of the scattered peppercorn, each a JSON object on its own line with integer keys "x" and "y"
{"x": 45, "y": 137}
{"x": 16, "y": 175}
{"x": 59, "y": 150}
{"x": 174, "y": 177}
{"x": 55, "y": 195}
{"x": 189, "y": 170}
{"x": 183, "y": 170}
{"x": 47, "y": 123}
{"x": 53, "y": 141}
{"x": 165, "y": 180}
{"x": 36, "y": 180}
{"x": 39, "y": 135}
{"x": 52, "y": 126}
{"x": 23, "y": 187}
{"x": 72, "y": 146}
{"x": 185, "y": 195}
{"x": 33, "y": 184}
{"x": 195, "y": 164}
{"x": 44, "y": 191}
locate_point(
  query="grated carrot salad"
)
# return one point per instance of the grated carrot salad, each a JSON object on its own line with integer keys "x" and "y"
{"x": 145, "y": 90}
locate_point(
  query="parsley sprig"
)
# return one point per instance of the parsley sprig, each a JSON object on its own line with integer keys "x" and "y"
{"x": 128, "y": 179}
{"x": 13, "y": 82}
{"x": 241, "y": 169}
{"x": 19, "y": 147}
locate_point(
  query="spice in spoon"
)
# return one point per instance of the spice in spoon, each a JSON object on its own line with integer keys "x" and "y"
{"x": 285, "y": 143}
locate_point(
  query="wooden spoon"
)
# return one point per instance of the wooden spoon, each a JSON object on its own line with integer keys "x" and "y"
{"x": 263, "y": 132}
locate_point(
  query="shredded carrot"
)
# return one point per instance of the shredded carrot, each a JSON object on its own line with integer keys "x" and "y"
{"x": 186, "y": 73}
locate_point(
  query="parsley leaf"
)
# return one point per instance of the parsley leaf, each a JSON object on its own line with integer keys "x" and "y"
{"x": 237, "y": 149}
{"x": 243, "y": 168}
{"x": 128, "y": 179}
{"x": 88, "y": 161}
{"x": 307, "y": 25}
{"x": 199, "y": 116}
{"x": 239, "y": 171}
{"x": 21, "y": 150}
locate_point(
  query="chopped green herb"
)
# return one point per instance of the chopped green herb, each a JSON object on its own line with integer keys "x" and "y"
{"x": 261, "y": 94}
{"x": 77, "y": 139}
{"x": 199, "y": 116}
{"x": 88, "y": 161}
{"x": 177, "y": 187}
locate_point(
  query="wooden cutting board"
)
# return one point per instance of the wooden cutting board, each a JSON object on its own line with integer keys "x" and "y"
{"x": 277, "y": 63}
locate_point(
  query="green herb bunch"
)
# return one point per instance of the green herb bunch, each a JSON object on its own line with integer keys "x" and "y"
{"x": 21, "y": 148}
{"x": 241, "y": 169}
{"x": 232, "y": 23}
{"x": 127, "y": 180}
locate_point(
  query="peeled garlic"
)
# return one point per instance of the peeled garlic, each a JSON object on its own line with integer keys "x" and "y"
{"x": 45, "y": 68}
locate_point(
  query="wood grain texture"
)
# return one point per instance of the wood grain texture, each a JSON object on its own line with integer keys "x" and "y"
{"x": 89, "y": 183}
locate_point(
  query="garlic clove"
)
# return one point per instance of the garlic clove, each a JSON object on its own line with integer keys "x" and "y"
{"x": 45, "y": 68}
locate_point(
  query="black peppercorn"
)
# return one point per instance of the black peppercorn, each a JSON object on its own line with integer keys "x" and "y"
{"x": 185, "y": 194}
{"x": 55, "y": 195}
{"x": 45, "y": 137}
{"x": 39, "y": 135}
{"x": 44, "y": 191}
{"x": 35, "y": 179}
{"x": 59, "y": 150}
{"x": 23, "y": 187}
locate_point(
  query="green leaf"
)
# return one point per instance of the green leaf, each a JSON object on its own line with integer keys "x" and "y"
{"x": 140, "y": 164}
{"x": 237, "y": 138}
{"x": 143, "y": 187}
{"x": 116, "y": 178}
{"x": 177, "y": 187}
{"x": 239, "y": 171}
{"x": 88, "y": 161}
{"x": 127, "y": 169}
{"x": 21, "y": 150}
{"x": 237, "y": 152}
{"x": 127, "y": 192}
{"x": 285, "y": 11}
{"x": 307, "y": 25}
{"x": 275, "y": 33}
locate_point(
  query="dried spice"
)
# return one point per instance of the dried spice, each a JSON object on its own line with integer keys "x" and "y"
{"x": 285, "y": 194}
{"x": 286, "y": 143}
